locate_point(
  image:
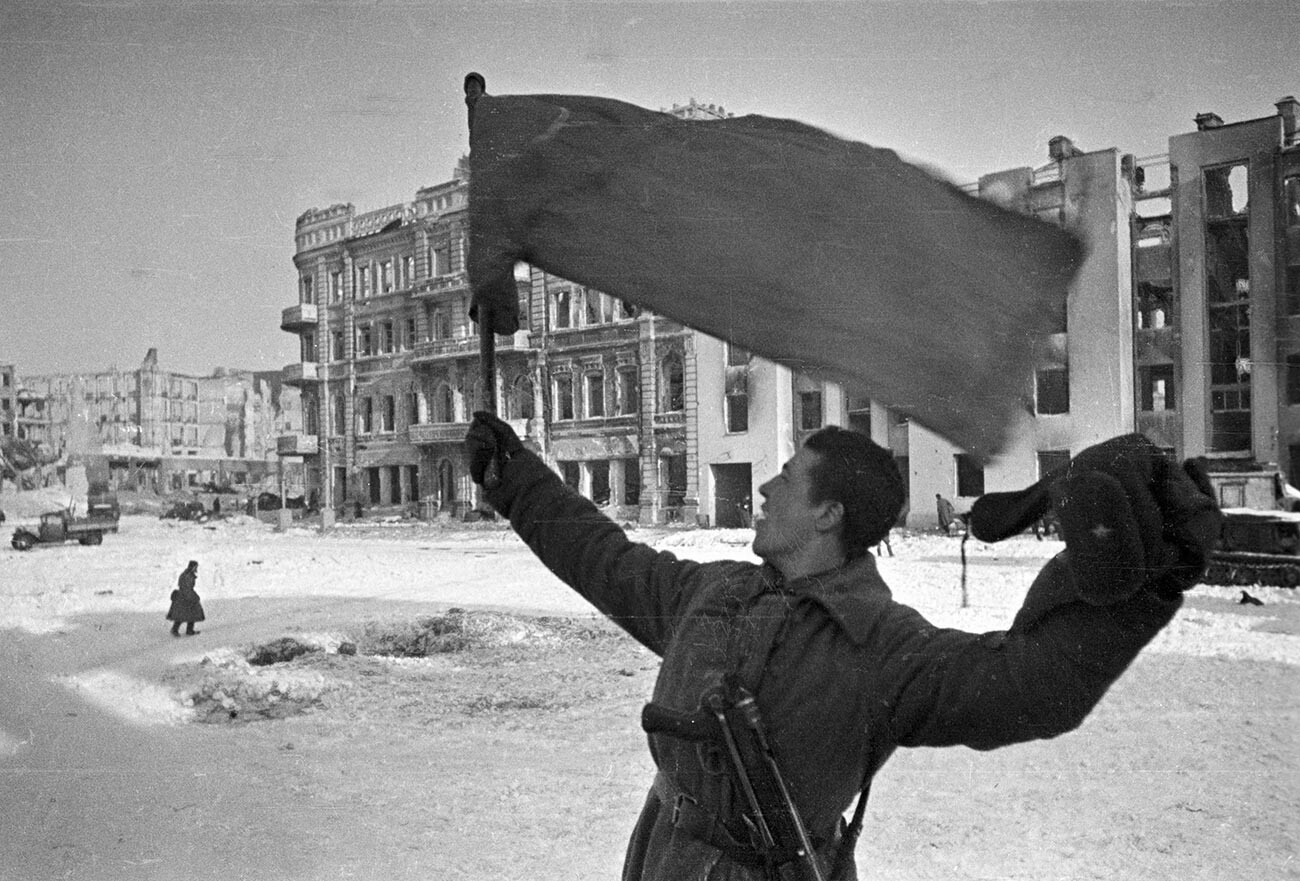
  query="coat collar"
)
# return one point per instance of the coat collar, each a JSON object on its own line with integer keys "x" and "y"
{"x": 849, "y": 594}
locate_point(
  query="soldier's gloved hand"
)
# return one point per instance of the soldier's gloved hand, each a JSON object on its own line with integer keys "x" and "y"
{"x": 1131, "y": 517}
{"x": 489, "y": 438}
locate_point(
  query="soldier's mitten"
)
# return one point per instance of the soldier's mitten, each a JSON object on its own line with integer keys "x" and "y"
{"x": 1193, "y": 523}
{"x": 1110, "y": 518}
{"x": 489, "y": 438}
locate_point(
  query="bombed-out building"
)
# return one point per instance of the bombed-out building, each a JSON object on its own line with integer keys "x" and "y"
{"x": 1182, "y": 323}
{"x": 149, "y": 428}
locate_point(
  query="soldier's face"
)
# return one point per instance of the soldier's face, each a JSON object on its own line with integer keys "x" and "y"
{"x": 787, "y": 520}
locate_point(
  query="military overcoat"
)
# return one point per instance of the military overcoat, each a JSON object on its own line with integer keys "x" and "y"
{"x": 852, "y": 675}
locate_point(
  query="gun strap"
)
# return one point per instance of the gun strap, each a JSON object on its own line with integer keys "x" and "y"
{"x": 750, "y": 672}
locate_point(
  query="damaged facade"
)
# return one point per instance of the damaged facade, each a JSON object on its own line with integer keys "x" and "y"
{"x": 157, "y": 430}
{"x": 1183, "y": 323}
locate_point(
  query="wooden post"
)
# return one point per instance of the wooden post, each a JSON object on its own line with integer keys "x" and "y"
{"x": 475, "y": 86}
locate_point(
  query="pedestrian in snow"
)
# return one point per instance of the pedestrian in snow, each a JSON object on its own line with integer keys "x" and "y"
{"x": 841, "y": 674}
{"x": 186, "y": 608}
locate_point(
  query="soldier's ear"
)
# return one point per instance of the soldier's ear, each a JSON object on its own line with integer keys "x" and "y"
{"x": 831, "y": 516}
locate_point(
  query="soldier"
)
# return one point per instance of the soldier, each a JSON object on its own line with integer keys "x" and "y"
{"x": 843, "y": 674}
{"x": 186, "y": 608}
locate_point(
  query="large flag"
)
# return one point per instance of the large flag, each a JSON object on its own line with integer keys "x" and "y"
{"x": 822, "y": 254}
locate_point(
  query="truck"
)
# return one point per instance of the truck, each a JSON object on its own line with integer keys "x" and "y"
{"x": 57, "y": 527}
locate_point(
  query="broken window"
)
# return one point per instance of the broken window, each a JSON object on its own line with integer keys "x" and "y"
{"x": 810, "y": 410}
{"x": 563, "y": 396}
{"x": 1157, "y": 387}
{"x": 970, "y": 475}
{"x": 1291, "y": 200}
{"x": 599, "y": 481}
{"x": 560, "y": 309}
{"x": 412, "y": 483}
{"x": 1052, "y": 460}
{"x": 571, "y": 473}
{"x": 595, "y": 387}
{"x": 673, "y": 384}
{"x": 1052, "y": 391}
{"x": 1227, "y": 277}
{"x": 444, "y": 405}
{"x": 1293, "y": 382}
{"x": 519, "y": 398}
{"x": 1226, "y": 191}
{"x": 736, "y": 399}
{"x": 631, "y": 482}
{"x": 440, "y": 260}
{"x": 736, "y": 356}
{"x": 629, "y": 391}
{"x": 440, "y": 324}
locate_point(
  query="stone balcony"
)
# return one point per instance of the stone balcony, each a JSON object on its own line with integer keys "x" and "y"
{"x": 454, "y": 432}
{"x": 455, "y": 282}
{"x": 430, "y": 351}
{"x": 437, "y": 432}
{"x": 297, "y": 445}
{"x": 300, "y": 374}
{"x": 298, "y": 318}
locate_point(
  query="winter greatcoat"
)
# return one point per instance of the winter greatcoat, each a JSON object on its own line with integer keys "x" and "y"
{"x": 186, "y": 606}
{"x": 855, "y": 675}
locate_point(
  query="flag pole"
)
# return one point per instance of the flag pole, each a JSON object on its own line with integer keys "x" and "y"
{"x": 475, "y": 86}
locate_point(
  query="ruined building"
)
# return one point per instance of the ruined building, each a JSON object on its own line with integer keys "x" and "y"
{"x": 155, "y": 429}
{"x": 1180, "y": 325}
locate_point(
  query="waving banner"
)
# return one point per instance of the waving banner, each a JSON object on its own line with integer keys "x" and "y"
{"x": 818, "y": 253}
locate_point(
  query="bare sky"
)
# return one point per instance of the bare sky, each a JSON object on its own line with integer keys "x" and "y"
{"x": 154, "y": 155}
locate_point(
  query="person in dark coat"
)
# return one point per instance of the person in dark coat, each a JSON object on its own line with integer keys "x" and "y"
{"x": 186, "y": 608}
{"x": 851, "y": 675}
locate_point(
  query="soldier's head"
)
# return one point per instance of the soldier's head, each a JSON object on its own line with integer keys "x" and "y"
{"x": 836, "y": 498}
{"x": 862, "y": 476}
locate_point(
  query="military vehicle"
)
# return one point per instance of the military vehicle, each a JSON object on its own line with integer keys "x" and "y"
{"x": 60, "y": 526}
{"x": 1257, "y": 547}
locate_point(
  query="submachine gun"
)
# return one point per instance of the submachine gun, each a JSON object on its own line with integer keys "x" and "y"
{"x": 728, "y": 717}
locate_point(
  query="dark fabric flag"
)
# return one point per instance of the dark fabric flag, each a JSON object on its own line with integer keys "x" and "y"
{"x": 825, "y": 255}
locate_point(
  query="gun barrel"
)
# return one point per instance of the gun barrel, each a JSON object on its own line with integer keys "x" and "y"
{"x": 698, "y": 726}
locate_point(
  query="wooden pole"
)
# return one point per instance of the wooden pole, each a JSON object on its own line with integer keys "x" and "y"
{"x": 475, "y": 86}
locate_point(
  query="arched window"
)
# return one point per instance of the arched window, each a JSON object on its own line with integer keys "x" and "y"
{"x": 672, "y": 384}
{"x": 444, "y": 407}
{"x": 519, "y": 399}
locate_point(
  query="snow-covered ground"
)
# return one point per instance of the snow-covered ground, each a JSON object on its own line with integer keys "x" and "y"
{"x": 1186, "y": 771}
{"x": 46, "y": 589}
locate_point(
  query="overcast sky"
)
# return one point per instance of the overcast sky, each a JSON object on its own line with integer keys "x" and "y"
{"x": 154, "y": 155}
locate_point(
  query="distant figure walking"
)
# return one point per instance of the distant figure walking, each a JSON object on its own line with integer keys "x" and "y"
{"x": 948, "y": 516}
{"x": 186, "y": 608}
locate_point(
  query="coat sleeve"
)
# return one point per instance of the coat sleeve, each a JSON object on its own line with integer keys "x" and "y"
{"x": 642, "y": 590}
{"x": 1039, "y": 679}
